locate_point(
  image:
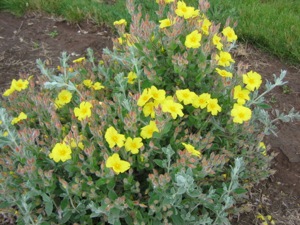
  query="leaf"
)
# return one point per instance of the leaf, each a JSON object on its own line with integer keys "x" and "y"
{"x": 112, "y": 195}
{"x": 101, "y": 182}
{"x": 48, "y": 204}
{"x": 111, "y": 184}
{"x": 177, "y": 220}
{"x": 160, "y": 163}
{"x": 67, "y": 215}
{"x": 64, "y": 203}
{"x": 240, "y": 190}
{"x": 264, "y": 106}
{"x": 167, "y": 128}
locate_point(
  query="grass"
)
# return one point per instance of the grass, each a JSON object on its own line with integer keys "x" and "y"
{"x": 270, "y": 24}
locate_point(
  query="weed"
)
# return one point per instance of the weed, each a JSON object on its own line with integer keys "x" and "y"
{"x": 53, "y": 33}
{"x": 35, "y": 45}
{"x": 286, "y": 89}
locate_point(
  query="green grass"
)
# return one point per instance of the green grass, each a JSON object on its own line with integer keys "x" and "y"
{"x": 269, "y": 24}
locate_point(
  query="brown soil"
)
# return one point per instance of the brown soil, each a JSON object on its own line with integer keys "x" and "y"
{"x": 25, "y": 39}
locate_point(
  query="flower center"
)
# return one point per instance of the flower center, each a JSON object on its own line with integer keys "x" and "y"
{"x": 115, "y": 138}
{"x": 62, "y": 152}
{"x": 173, "y": 109}
{"x": 251, "y": 81}
{"x": 193, "y": 39}
{"x": 242, "y": 115}
{"x": 117, "y": 166}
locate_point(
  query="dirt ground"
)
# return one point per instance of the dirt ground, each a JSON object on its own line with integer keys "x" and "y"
{"x": 25, "y": 39}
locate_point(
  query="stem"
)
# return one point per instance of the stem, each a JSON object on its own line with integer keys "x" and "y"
{"x": 259, "y": 97}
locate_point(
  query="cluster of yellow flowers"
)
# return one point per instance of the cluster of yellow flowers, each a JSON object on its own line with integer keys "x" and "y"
{"x": 16, "y": 85}
{"x": 96, "y": 86}
{"x": 266, "y": 220}
{"x": 152, "y": 98}
{"x": 114, "y": 138}
{"x": 240, "y": 113}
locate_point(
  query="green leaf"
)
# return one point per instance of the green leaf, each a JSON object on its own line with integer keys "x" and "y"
{"x": 160, "y": 163}
{"x": 67, "y": 215}
{"x": 64, "y": 203}
{"x": 101, "y": 181}
{"x": 240, "y": 190}
{"x": 48, "y": 204}
{"x": 112, "y": 195}
{"x": 111, "y": 184}
{"x": 167, "y": 128}
{"x": 264, "y": 106}
{"x": 5, "y": 205}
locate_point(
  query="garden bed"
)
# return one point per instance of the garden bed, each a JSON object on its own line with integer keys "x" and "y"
{"x": 25, "y": 39}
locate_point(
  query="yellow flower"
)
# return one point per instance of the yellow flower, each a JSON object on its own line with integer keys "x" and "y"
{"x": 213, "y": 106}
{"x": 158, "y": 95}
{"x": 8, "y": 92}
{"x": 201, "y": 100}
{"x": 83, "y": 111}
{"x": 205, "y": 26}
{"x": 252, "y": 80}
{"x": 120, "y": 22}
{"x": 64, "y": 97}
{"x": 164, "y": 1}
{"x": 58, "y": 104}
{"x": 172, "y": 107}
{"x": 5, "y": 134}
{"x": 128, "y": 38}
{"x": 19, "y": 85}
{"x": 79, "y": 60}
{"x": 263, "y": 147}
{"x": 217, "y": 42}
{"x": 97, "y": 86}
{"x": 224, "y": 59}
{"x": 21, "y": 116}
{"x": 144, "y": 98}
{"x": 148, "y": 109}
{"x": 184, "y": 11}
{"x": 88, "y": 83}
{"x": 73, "y": 143}
{"x": 240, "y": 94}
{"x": 114, "y": 138}
{"x": 81, "y": 145}
{"x": 133, "y": 145}
{"x": 120, "y": 40}
{"x": 240, "y": 113}
{"x": 229, "y": 33}
{"x": 224, "y": 73}
{"x": 118, "y": 165}
{"x": 193, "y": 39}
{"x": 165, "y": 23}
{"x": 186, "y": 96}
{"x": 131, "y": 77}
{"x": 148, "y": 130}
{"x": 191, "y": 149}
{"x": 1, "y": 122}
{"x": 61, "y": 152}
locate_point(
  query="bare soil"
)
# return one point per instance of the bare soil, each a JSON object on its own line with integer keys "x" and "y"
{"x": 33, "y": 36}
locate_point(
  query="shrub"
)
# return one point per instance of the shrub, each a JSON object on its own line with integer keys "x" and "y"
{"x": 163, "y": 130}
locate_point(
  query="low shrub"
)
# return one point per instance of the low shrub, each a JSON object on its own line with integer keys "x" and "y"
{"x": 164, "y": 129}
